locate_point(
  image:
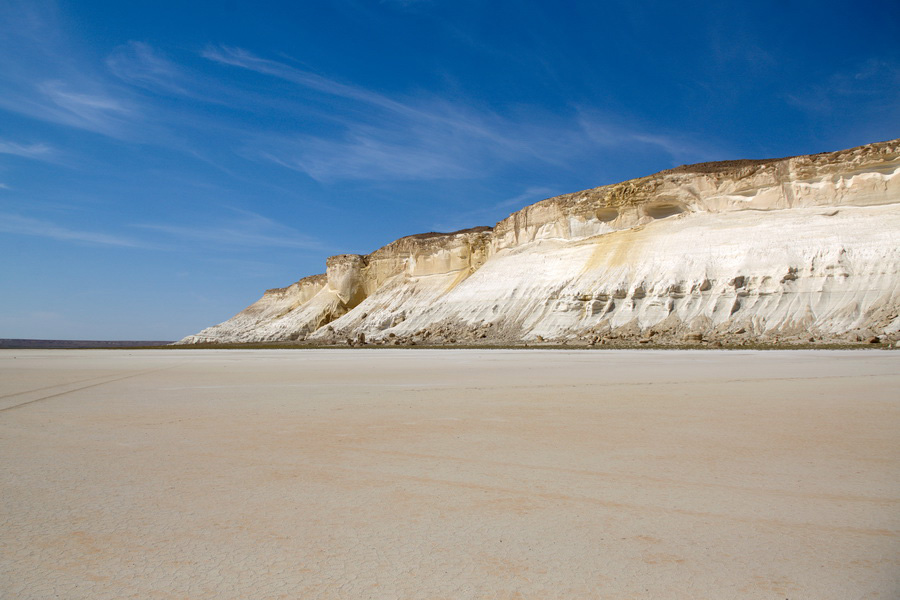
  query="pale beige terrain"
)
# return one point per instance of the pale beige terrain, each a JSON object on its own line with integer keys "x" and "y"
{"x": 449, "y": 474}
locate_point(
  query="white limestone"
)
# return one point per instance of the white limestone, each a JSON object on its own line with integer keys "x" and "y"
{"x": 797, "y": 249}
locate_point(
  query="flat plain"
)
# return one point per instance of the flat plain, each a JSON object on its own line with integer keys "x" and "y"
{"x": 495, "y": 474}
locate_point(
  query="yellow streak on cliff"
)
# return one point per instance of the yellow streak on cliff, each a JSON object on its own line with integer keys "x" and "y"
{"x": 615, "y": 249}
{"x": 461, "y": 276}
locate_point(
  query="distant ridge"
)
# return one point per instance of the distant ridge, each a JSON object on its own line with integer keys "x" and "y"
{"x": 50, "y": 344}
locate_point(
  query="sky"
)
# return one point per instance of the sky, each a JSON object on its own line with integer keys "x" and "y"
{"x": 163, "y": 163}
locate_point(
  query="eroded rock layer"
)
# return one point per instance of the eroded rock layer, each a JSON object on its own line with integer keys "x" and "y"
{"x": 798, "y": 249}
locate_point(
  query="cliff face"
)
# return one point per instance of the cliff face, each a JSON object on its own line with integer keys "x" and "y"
{"x": 297, "y": 311}
{"x": 792, "y": 249}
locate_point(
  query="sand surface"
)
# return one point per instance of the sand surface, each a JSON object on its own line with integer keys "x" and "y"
{"x": 449, "y": 474}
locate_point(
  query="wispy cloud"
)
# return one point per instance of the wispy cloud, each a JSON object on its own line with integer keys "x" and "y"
{"x": 381, "y": 137}
{"x": 19, "y": 225}
{"x": 237, "y": 57}
{"x": 74, "y": 102}
{"x": 92, "y": 109}
{"x": 871, "y": 80}
{"x": 529, "y": 196}
{"x": 37, "y": 151}
{"x": 609, "y": 132}
{"x": 331, "y": 130}
{"x": 426, "y": 112}
{"x": 384, "y": 137}
{"x": 142, "y": 65}
{"x": 362, "y": 155}
{"x": 46, "y": 76}
{"x": 245, "y": 229}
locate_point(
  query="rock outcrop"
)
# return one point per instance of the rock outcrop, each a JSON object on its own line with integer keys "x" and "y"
{"x": 801, "y": 249}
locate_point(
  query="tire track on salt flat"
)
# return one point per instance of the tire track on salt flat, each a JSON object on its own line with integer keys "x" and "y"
{"x": 58, "y": 385}
{"x": 84, "y": 387}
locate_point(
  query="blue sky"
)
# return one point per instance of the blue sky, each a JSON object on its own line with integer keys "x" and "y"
{"x": 162, "y": 163}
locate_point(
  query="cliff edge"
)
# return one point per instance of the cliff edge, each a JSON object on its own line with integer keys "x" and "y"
{"x": 800, "y": 249}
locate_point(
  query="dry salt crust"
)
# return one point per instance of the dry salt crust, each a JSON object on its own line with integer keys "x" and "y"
{"x": 449, "y": 474}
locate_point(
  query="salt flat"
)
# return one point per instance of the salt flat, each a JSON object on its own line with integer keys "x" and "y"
{"x": 449, "y": 474}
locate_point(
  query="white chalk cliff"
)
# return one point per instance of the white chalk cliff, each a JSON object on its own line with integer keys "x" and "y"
{"x": 803, "y": 248}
